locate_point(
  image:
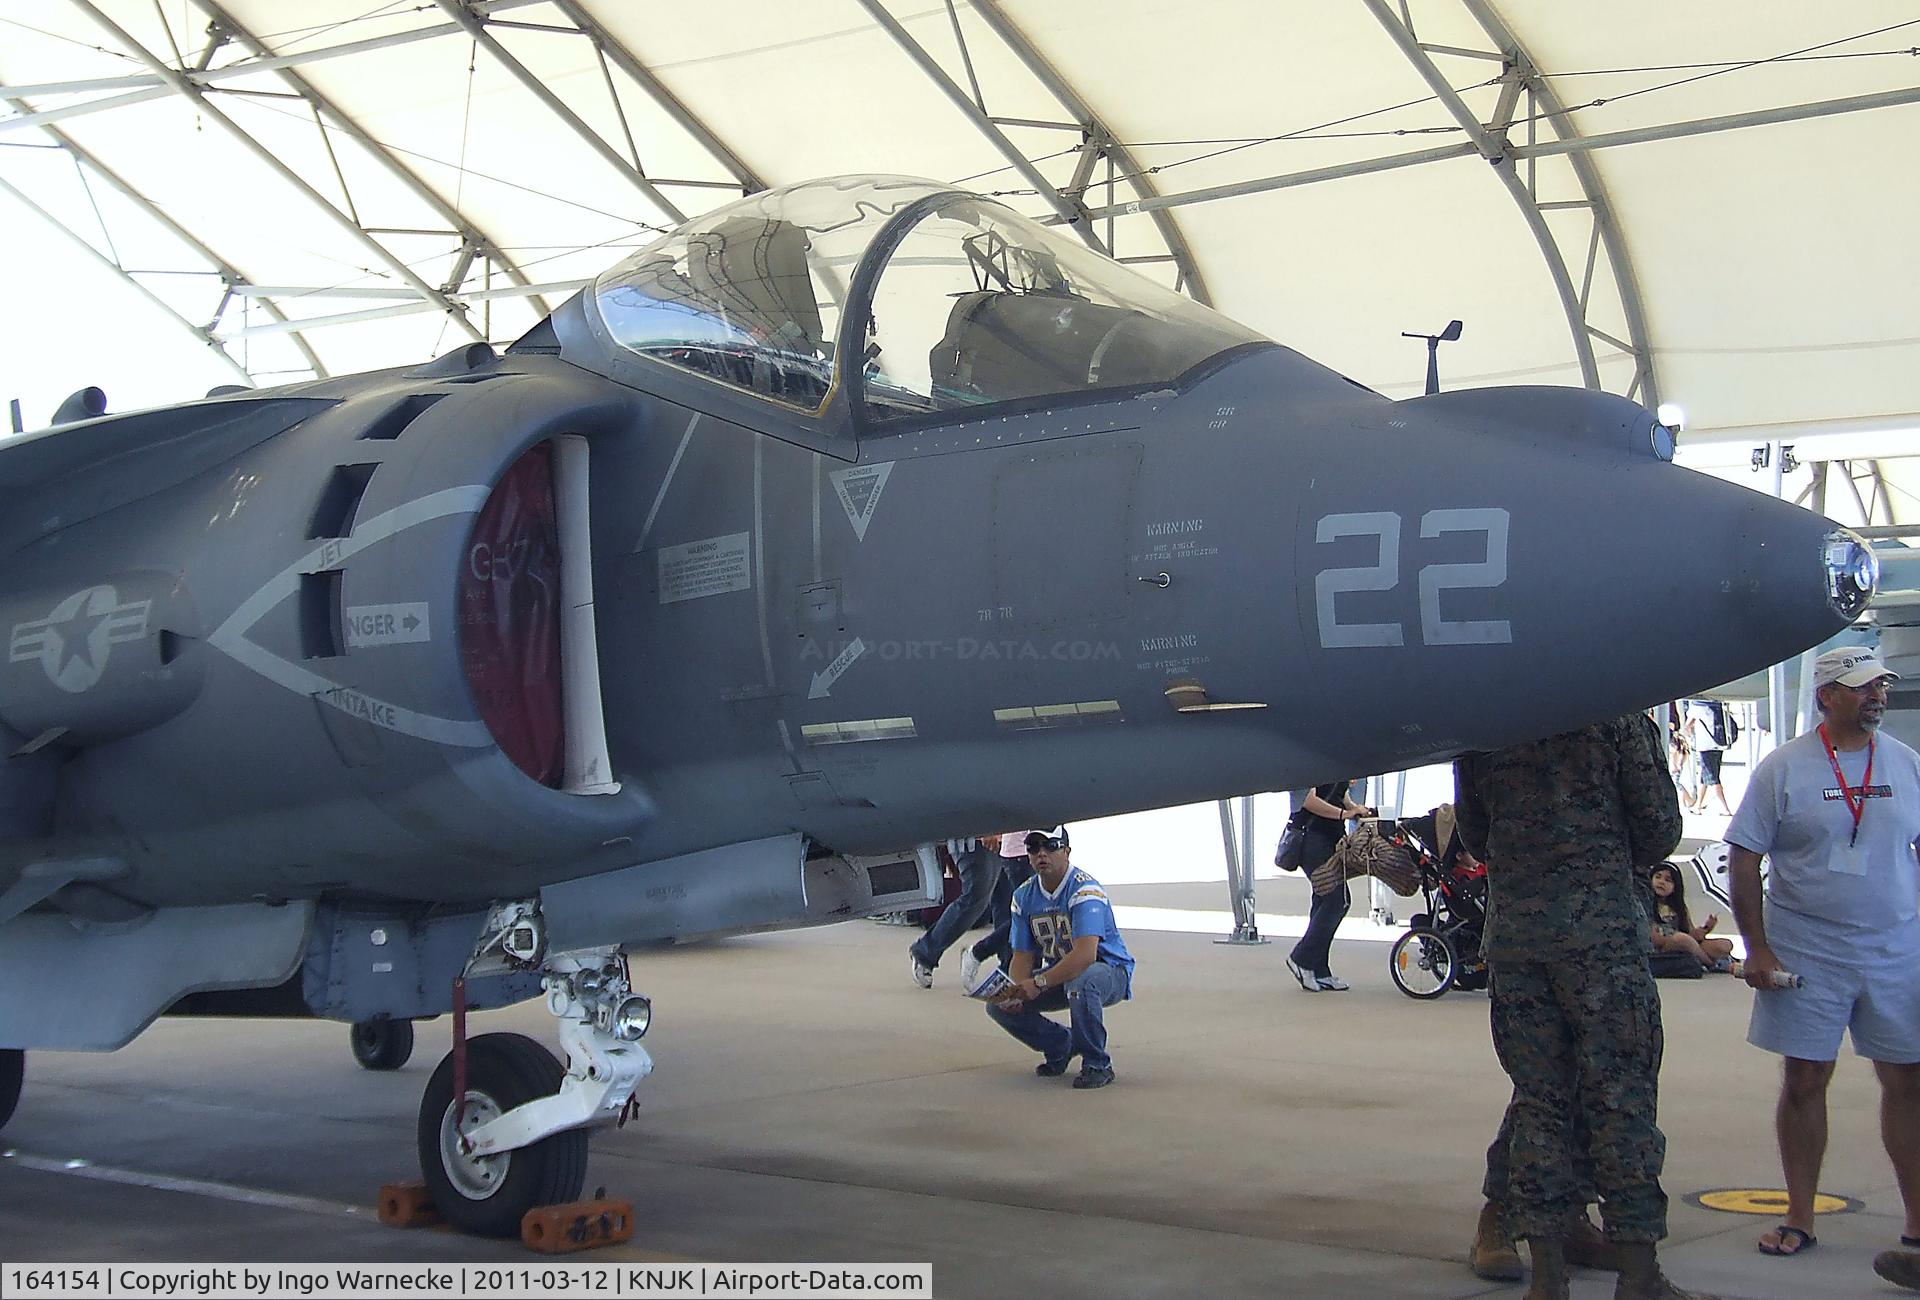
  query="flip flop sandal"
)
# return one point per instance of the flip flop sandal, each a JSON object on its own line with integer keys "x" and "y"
{"x": 1793, "y": 1241}
{"x": 1911, "y": 1243}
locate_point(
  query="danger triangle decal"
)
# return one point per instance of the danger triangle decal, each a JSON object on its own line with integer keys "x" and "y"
{"x": 859, "y": 491}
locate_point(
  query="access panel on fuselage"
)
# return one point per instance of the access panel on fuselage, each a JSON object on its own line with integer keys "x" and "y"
{"x": 1062, "y": 517}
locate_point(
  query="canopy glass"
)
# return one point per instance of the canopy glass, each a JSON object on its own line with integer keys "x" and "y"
{"x": 958, "y": 303}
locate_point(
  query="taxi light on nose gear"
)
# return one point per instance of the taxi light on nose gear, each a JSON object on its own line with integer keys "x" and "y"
{"x": 1853, "y": 571}
{"x": 632, "y": 1020}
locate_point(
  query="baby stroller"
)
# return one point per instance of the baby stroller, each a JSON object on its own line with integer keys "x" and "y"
{"x": 1441, "y": 948}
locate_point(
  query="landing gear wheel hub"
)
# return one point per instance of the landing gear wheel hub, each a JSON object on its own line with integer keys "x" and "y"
{"x": 474, "y": 1177}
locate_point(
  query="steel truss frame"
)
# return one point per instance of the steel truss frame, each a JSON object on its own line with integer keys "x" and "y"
{"x": 203, "y": 333}
{"x": 1875, "y": 505}
{"x": 1104, "y": 162}
{"x": 1099, "y": 147}
{"x": 478, "y": 254}
{"x": 235, "y": 284}
{"x": 1520, "y": 80}
{"x": 474, "y": 243}
{"x": 1605, "y": 236}
{"x": 224, "y": 29}
{"x": 177, "y": 80}
{"x": 608, "y": 50}
{"x": 141, "y": 87}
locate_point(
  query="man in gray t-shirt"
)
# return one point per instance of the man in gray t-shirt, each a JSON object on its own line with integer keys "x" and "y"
{"x": 1836, "y": 813}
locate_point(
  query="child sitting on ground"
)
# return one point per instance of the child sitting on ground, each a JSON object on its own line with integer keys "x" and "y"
{"x": 1674, "y": 930}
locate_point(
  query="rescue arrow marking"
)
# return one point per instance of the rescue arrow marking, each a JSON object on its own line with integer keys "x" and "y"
{"x": 823, "y": 681}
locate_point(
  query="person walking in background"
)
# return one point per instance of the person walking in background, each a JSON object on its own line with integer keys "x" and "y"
{"x": 1323, "y": 817}
{"x": 1681, "y": 765}
{"x": 1707, "y": 737}
{"x": 978, "y": 861}
{"x": 1016, "y": 869}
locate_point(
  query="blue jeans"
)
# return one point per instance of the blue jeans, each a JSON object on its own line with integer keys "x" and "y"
{"x": 1086, "y": 998}
{"x": 998, "y": 942}
{"x": 979, "y": 873}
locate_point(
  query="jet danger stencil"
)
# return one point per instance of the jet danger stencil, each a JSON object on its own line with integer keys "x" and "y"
{"x": 231, "y": 639}
{"x": 73, "y": 642}
{"x": 859, "y": 491}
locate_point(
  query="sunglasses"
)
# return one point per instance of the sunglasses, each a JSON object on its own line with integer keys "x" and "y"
{"x": 1049, "y": 844}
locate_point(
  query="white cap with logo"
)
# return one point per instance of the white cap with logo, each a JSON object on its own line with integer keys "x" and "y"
{"x": 1854, "y": 666}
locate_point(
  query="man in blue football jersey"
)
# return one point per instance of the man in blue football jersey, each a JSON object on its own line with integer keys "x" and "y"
{"x": 1067, "y": 953}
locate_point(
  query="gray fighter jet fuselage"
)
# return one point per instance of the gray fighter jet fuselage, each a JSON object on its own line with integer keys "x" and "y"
{"x": 849, "y": 518}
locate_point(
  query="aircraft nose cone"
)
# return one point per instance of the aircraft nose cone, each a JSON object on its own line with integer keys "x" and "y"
{"x": 1853, "y": 572}
{"x": 1537, "y": 548}
{"x": 1758, "y": 580}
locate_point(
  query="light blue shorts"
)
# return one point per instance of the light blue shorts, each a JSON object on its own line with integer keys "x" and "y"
{"x": 1869, "y": 984}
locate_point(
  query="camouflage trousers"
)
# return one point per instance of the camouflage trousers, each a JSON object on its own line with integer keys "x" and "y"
{"x": 1496, "y": 1185}
{"x": 1581, "y": 1041}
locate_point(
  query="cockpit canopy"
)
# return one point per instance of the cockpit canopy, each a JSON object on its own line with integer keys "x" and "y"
{"x": 911, "y": 298}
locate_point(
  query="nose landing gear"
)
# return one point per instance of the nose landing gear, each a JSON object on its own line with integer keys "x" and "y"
{"x": 503, "y": 1126}
{"x": 488, "y": 1195}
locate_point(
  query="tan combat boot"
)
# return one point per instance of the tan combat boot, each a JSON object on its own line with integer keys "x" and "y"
{"x": 1641, "y": 1278}
{"x": 1587, "y": 1246}
{"x": 1549, "y": 1268}
{"x": 1900, "y": 1267}
{"x": 1493, "y": 1256}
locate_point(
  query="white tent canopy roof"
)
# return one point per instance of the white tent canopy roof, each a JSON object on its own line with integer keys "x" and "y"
{"x": 1645, "y": 197}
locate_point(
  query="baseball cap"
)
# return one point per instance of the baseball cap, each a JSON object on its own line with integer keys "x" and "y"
{"x": 1850, "y": 667}
{"x": 1038, "y": 839}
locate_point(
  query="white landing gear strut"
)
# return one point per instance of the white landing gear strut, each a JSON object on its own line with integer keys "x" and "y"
{"x": 503, "y": 1127}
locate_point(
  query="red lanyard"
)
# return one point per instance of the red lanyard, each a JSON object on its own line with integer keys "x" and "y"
{"x": 1856, "y": 799}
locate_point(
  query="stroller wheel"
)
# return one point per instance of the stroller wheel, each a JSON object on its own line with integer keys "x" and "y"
{"x": 1423, "y": 964}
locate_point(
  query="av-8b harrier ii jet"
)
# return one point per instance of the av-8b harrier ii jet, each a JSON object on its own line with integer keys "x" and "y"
{"x": 849, "y": 517}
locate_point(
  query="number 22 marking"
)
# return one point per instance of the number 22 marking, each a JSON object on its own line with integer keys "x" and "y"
{"x": 1384, "y": 575}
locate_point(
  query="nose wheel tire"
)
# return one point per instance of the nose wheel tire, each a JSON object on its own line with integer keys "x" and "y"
{"x": 383, "y": 1044}
{"x": 13, "y": 1068}
{"x": 489, "y": 1195}
{"x": 1423, "y": 964}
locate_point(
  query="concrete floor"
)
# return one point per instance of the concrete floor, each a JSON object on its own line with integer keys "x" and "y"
{"x": 811, "y": 1104}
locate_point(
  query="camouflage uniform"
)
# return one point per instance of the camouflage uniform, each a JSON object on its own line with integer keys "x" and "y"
{"x": 1566, "y": 825}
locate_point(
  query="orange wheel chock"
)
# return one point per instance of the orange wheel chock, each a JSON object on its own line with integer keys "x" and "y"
{"x": 407, "y": 1205}
{"x": 577, "y": 1225}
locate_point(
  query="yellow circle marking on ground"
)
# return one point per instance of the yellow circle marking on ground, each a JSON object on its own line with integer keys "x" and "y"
{"x": 1765, "y": 1200}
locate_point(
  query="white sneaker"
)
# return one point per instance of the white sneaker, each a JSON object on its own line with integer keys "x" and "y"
{"x": 922, "y": 974}
{"x": 1307, "y": 982}
{"x": 1333, "y": 984}
{"x": 969, "y": 969}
